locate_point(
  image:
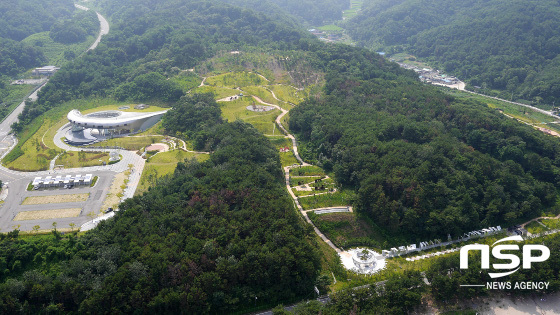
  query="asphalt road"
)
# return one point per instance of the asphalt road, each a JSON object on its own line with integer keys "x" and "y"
{"x": 18, "y": 192}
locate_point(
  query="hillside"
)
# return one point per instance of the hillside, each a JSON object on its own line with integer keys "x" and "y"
{"x": 424, "y": 164}
{"x": 224, "y": 235}
{"x": 307, "y": 12}
{"x": 511, "y": 46}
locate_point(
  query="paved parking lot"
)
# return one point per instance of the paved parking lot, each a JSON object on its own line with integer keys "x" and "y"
{"x": 18, "y": 192}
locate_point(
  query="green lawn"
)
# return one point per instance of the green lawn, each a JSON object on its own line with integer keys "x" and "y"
{"x": 130, "y": 143}
{"x": 307, "y": 171}
{"x": 263, "y": 121}
{"x": 54, "y": 51}
{"x": 261, "y": 93}
{"x": 236, "y": 79}
{"x": 31, "y": 154}
{"x": 287, "y": 93}
{"x": 162, "y": 164}
{"x": 330, "y": 27}
{"x": 75, "y": 159}
{"x": 219, "y": 92}
{"x": 296, "y": 181}
{"x": 347, "y": 229}
{"x": 322, "y": 186}
{"x": 288, "y": 158}
{"x": 339, "y": 198}
{"x": 36, "y": 147}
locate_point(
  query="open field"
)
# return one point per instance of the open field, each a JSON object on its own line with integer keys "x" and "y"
{"x": 261, "y": 93}
{"x": 48, "y": 214}
{"x": 263, "y": 63}
{"x": 236, "y": 79}
{"x": 347, "y": 229}
{"x": 287, "y": 93}
{"x": 339, "y": 198}
{"x": 219, "y": 92}
{"x": 41, "y": 200}
{"x": 187, "y": 80}
{"x": 162, "y": 164}
{"x": 34, "y": 155}
{"x": 288, "y": 158}
{"x": 311, "y": 170}
{"x": 330, "y": 27}
{"x": 263, "y": 121}
{"x": 54, "y": 51}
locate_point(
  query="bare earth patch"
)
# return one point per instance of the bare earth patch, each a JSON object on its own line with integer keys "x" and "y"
{"x": 48, "y": 214}
{"x": 115, "y": 192}
{"x": 41, "y": 200}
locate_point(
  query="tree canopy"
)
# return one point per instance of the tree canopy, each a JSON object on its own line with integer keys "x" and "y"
{"x": 506, "y": 45}
{"x": 423, "y": 162}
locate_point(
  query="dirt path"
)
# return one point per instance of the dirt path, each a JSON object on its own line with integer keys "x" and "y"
{"x": 539, "y": 218}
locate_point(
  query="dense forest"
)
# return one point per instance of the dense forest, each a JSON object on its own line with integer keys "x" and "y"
{"x": 223, "y": 236}
{"x": 16, "y": 57}
{"x": 507, "y": 45}
{"x": 21, "y": 18}
{"x": 75, "y": 29}
{"x": 307, "y": 12}
{"x": 214, "y": 237}
{"x": 421, "y": 161}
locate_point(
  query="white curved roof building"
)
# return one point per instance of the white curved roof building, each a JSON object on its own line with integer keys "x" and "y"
{"x": 115, "y": 120}
{"x": 93, "y": 127}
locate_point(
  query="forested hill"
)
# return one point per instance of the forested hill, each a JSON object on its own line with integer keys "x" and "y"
{"x": 506, "y": 45}
{"x": 21, "y": 18}
{"x": 148, "y": 40}
{"x": 211, "y": 239}
{"x": 424, "y": 164}
{"x": 309, "y": 12}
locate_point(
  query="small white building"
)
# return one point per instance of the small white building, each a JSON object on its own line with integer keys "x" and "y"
{"x": 88, "y": 179}
{"x": 46, "y": 70}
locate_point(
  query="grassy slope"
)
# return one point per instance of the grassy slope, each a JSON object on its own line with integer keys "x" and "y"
{"x": 54, "y": 52}
{"x": 162, "y": 164}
